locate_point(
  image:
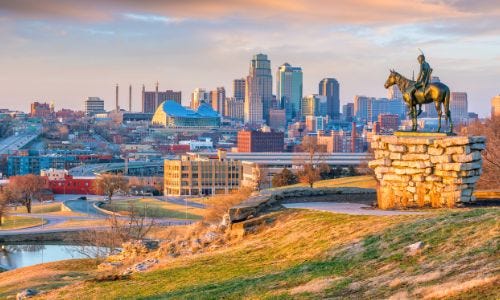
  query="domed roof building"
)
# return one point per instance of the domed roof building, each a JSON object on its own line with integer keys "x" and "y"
{"x": 172, "y": 114}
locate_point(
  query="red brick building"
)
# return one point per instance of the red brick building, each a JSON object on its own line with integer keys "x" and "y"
{"x": 258, "y": 141}
{"x": 71, "y": 185}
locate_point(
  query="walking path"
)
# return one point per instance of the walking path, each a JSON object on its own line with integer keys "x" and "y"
{"x": 349, "y": 208}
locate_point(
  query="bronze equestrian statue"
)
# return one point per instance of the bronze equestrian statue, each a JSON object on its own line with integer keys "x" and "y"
{"x": 422, "y": 91}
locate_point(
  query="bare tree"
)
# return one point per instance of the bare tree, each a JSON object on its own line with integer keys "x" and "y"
{"x": 109, "y": 184}
{"x": 26, "y": 188}
{"x": 491, "y": 155}
{"x": 101, "y": 242}
{"x": 314, "y": 164}
{"x": 5, "y": 197}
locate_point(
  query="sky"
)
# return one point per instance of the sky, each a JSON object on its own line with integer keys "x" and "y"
{"x": 65, "y": 51}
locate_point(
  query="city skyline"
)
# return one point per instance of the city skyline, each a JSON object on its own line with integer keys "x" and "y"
{"x": 67, "y": 52}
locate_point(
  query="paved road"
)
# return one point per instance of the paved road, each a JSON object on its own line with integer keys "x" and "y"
{"x": 181, "y": 201}
{"x": 84, "y": 207}
{"x": 349, "y": 208}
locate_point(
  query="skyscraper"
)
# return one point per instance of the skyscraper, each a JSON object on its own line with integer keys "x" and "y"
{"x": 217, "y": 98}
{"x": 348, "y": 112}
{"x": 94, "y": 105}
{"x": 198, "y": 97}
{"x": 314, "y": 105}
{"x": 258, "y": 91}
{"x": 458, "y": 107}
{"x": 393, "y": 92}
{"x": 234, "y": 108}
{"x": 329, "y": 87}
{"x": 289, "y": 90}
{"x": 495, "y": 107}
{"x": 239, "y": 89}
{"x": 152, "y": 99}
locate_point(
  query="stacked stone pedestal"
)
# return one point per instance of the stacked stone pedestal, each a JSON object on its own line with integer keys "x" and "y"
{"x": 432, "y": 171}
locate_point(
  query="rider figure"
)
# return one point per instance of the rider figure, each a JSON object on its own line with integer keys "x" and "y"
{"x": 423, "y": 79}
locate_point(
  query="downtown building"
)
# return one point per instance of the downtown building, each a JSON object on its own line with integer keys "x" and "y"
{"x": 239, "y": 89}
{"x": 258, "y": 91}
{"x": 217, "y": 100}
{"x": 201, "y": 174}
{"x": 314, "y": 105}
{"x": 459, "y": 107}
{"x": 330, "y": 88}
{"x": 41, "y": 110}
{"x": 234, "y": 108}
{"x": 93, "y": 106}
{"x": 289, "y": 90}
{"x": 152, "y": 99}
{"x": 260, "y": 141}
{"x": 495, "y": 107}
{"x": 367, "y": 109}
{"x": 198, "y": 97}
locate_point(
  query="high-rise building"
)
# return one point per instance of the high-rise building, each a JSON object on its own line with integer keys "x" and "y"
{"x": 277, "y": 119}
{"x": 329, "y": 87}
{"x": 234, "y": 108}
{"x": 314, "y": 105}
{"x": 94, "y": 105}
{"x": 152, "y": 99}
{"x": 239, "y": 89}
{"x": 495, "y": 107}
{"x": 259, "y": 141}
{"x": 367, "y": 109}
{"x": 41, "y": 110}
{"x": 198, "y": 97}
{"x": 217, "y": 99}
{"x": 388, "y": 122}
{"x": 348, "y": 112}
{"x": 289, "y": 90}
{"x": 362, "y": 108}
{"x": 458, "y": 107}
{"x": 258, "y": 91}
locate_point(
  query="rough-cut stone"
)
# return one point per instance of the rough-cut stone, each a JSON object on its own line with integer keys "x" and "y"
{"x": 435, "y": 150}
{"x": 476, "y": 155}
{"x": 417, "y": 149}
{"x": 441, "y": 159}
{"x": 437, "y": 171}
{"x": 397, "y": 148}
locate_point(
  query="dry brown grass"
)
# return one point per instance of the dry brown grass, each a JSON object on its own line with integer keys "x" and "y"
{"x": 217, "y": 206}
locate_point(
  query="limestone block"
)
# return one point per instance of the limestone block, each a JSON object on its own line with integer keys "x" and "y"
{"x": 461, "y": 180}
{"x": 389, "y": 139}
{"x": 433, "y": 178}
{"x": 408, "y": 171}
{"x": 417, "y": 148}
{"x": 397, "y": 148}
{"x": 476, "y": 155}
{"x": 416, "y": 140}
{"x": 420, "y": 164}
{"x": 428, "y": 171}
{"x": 449, "y": 166}
{"x": 477, "y": 139}
{"x": 382, "y": 170}
{"x": 399, "y": 163}
{"x": 458, "y": 150}
{"x": 416, "y": 157}
{"x": 467, "y": 192}
{"x": 471, "y": 166}
{"x": 376, "y": 138}
{"x": 381, "y": 154}
{"x": 453, "y": 141}
{"x": 380, "y": 162}
{"x": 395, "y": 156}
{"x": 412, "y": 189}
{"x": 394, "y": 177}
{"x": 418, "y": 178}
{"x": 435, "y": 150}
{"x": 440, "y": 159}
{"x": 374, "y": 145}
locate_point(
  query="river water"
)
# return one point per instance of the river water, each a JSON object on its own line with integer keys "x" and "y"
{"x": 18, "y": 256}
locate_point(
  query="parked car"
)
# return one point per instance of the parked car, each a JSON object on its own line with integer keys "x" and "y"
{"x": 82, "y": 198}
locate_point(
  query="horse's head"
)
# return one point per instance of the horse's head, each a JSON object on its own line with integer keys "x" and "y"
{"x": 391, "y": 80}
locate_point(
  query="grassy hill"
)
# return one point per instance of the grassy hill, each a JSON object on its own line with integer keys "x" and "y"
{"x": 304, "y": 254}
{"x": 309, "y": 255}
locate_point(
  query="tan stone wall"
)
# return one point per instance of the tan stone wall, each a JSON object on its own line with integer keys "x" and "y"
{"x": 436, "y": 171}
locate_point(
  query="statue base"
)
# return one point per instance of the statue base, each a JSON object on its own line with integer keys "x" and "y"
{"x": 433, "y": 170}
{"x": 423, "y": 133}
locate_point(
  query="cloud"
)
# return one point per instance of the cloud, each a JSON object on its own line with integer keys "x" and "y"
{"x": 320, "y": 11}
{"x": 149, "y": 18}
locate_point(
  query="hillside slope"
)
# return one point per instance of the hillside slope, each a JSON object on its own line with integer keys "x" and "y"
{"x": 311, "y": 255}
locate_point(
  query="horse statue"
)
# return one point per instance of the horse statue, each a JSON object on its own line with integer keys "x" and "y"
{"x": 436, "y": 92}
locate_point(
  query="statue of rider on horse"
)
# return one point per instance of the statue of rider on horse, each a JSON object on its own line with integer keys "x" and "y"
{"x": 422, "y": 91}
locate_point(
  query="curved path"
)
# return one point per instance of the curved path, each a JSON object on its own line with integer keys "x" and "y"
{"x": 349, "y": 208}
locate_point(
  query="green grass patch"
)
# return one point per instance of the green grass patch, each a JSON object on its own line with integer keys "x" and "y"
{"x": 16, "y": 222}
{"x": 151, "y": 208}
{"x": 39, "y": 208}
